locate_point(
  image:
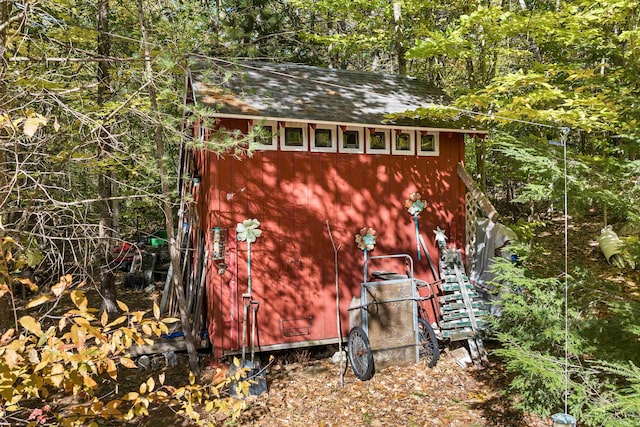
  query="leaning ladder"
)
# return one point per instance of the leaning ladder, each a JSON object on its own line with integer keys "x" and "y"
{"x": 461, "y": 308}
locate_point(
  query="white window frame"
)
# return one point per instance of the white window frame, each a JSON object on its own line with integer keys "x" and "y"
{"x": 274, "y": 135}
{"x": 387, "y": 133}
{"x": 436, "y": 143}
{"x": 305, "y": 139}
{"x": 334, "y": 139}
{"x": 344, "y": 129}
{"x": 412, "y": 142}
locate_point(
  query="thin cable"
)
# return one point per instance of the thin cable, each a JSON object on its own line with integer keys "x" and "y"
{"x": 566, "y": 278}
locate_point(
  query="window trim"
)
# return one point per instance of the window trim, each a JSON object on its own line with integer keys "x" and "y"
{"x": 274, "y": 135}
{"x": 360, "y": 131}
{"x": 436, "y": 143}
{"x": 305, "y": 138}
{"x": 334, "y": 139}
{"x": 412, "y": 142}
{"x": 387, "y": 133}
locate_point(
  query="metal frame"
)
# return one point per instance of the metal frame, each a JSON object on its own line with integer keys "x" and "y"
{"x": 364, "y": 303}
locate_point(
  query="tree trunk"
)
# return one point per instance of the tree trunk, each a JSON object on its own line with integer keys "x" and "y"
{"x": 174, "y": 250}
{"x": 400, "y": 48}
{"x": 6, "y": 314}
{"x": 481, "y": 164}
{"x": 107, "y": 277}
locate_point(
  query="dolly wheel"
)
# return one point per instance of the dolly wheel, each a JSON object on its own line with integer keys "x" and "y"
{"x": 360, "y": 355}
{"x": 428, "y": 343}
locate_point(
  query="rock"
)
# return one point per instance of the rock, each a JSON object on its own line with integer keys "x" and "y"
{"x": 339, "y": 357}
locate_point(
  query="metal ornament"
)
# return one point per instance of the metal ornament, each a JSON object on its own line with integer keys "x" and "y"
{"x": 415, "y": 205}
{"x": 248, "y": 230}
{"x": 366, "y": 239}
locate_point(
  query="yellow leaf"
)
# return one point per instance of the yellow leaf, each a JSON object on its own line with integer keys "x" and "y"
{"x": 151, "y": 384}
{"x": 236, "y": 362}
{"x": 30, "y": 126}
{"x": 62, "y": 323}
{"x": 118, "y": 321}
{"x": 37, "y": 301}
{"x": 132, "y": 395}
{"x": 112, "y": 370}
{"x": 111, "y": 408}
{"x": 59, "y": 288}
{"x": 127, "y": 363}
{"x": 191, "y": 413}
{"x": 84, "y": 323}
{"x": 43, "y": 364}
{"x": 57, "y": 374}
{"x": 79, "y": 299}
{"x": 104, "y": 318}
{"x": 156, "y": 311}
{"x": 192, "y": 378}
{"x": 31, "y": 325}
{"x": 161, "y": 378}
{"x": 143, "y": 388}
{"x": 170, "y": 320}
{"x": 27, "y": 282}
{"x": 123, "y": 306}
{"x": 89, "y": 382}
{"x": 33, "y": 356}
{"x": 146, "y": 328}
{"x": 12, "y": 358}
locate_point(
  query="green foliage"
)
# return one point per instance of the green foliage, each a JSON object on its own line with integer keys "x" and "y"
{"x": 601, "y": 379}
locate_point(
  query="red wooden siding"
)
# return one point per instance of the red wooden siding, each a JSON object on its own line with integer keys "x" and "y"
{"x": 292, "y": 194}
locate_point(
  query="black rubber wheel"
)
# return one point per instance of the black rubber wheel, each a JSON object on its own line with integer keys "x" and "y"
{"x": 360, "y": 355}
{"x": 428, "y": 343}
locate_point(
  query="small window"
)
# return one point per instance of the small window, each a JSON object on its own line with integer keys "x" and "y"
{"x": 323, "y": 138}
{"x": 378, "y": 141}
{"x": 293, "y": 137}
{"x": 404, "y": 143}
{"x": 351, "y": 140}
{"x": 428, "y": 143}
{"x": 265, "y": 136}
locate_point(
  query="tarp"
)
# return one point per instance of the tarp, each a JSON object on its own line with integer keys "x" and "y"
{"x": 492, "y": 241}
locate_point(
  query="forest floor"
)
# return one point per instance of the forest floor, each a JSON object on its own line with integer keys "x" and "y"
{"x": 308, "y": 393}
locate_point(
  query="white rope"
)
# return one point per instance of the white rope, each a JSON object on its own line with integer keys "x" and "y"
{"x": 565, "y": 132}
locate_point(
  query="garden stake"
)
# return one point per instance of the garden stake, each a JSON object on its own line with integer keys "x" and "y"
{"x": 335, "y": 261}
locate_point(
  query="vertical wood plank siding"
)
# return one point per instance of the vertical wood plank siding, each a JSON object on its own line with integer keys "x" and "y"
{"x": 292, "y": 194}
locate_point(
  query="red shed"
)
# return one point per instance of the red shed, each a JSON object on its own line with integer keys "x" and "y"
{"x": 323, "y": 149}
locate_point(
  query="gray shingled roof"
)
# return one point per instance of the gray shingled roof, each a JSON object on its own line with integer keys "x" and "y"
{"x": 311, "y": 93}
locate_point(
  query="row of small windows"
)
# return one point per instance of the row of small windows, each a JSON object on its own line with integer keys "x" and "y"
{"x": 344, "y": 139}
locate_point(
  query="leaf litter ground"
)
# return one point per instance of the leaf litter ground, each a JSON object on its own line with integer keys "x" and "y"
{"x": 309, "y": 394}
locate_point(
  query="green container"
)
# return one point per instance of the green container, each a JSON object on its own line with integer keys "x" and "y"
{"x": 156, "y": 242}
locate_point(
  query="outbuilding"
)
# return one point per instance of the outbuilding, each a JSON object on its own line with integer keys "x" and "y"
{"x": 330, "y": 148}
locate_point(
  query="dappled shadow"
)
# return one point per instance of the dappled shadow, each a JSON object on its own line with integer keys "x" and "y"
{"x": 309, "y": 93}
{"x": 498, "y": 409}
{"x": 293, "y": 195}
